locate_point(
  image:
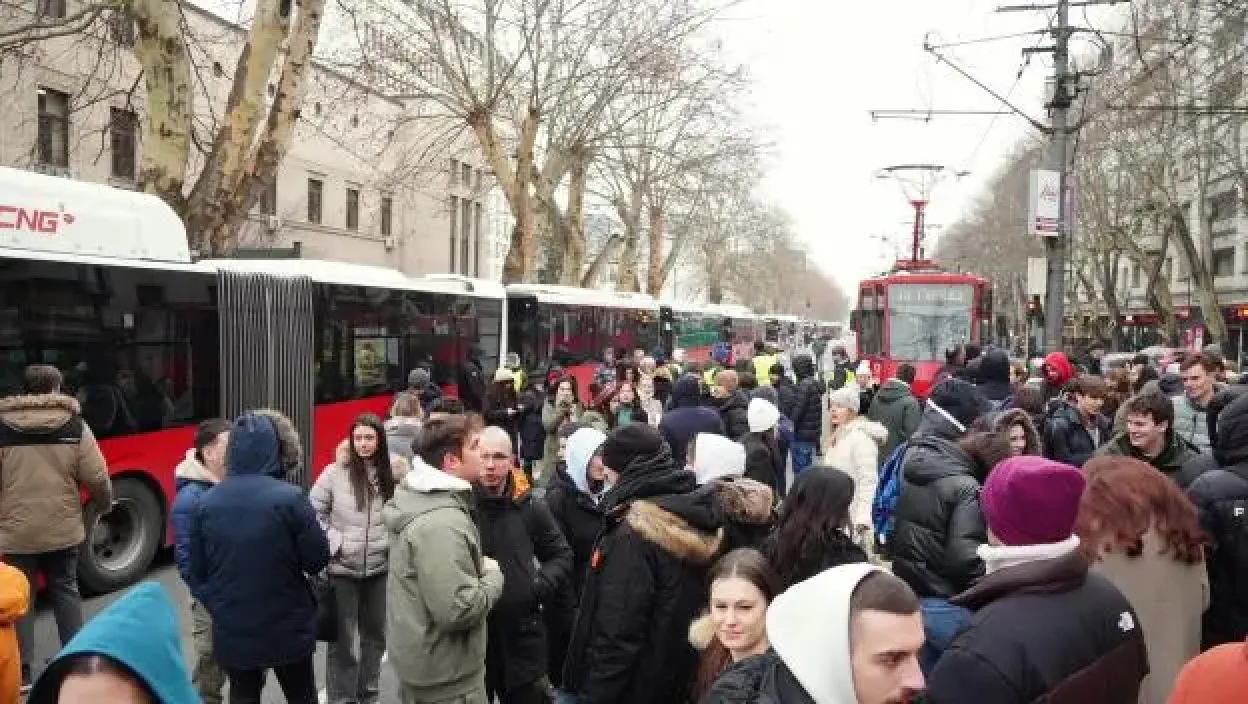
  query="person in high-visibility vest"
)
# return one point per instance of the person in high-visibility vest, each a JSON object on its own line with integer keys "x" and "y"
{"x": 763, "y": 362}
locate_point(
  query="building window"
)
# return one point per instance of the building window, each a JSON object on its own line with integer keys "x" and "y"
{"x": 465, "y": 234}
{"x": 353, "y": 208}
{"x": 51, "y": 8}
{"x": 316, "y": 188}
{"x": 1223, "y": 205}
{"x": 121, "y": 28}
{"x": 476, "y": 227}
{"x": 123, "y": 133}
{"x": 387, "y": 215}
{"x": 454, "y": 171}
{"x": 454, "y": 230}
{"x": 1224, "y": 262}
{"x": 465, "y": 175}
{"x": 268, "y": 198}
{"x": 1135, "y": 276}
{"x": 53, "y": 127}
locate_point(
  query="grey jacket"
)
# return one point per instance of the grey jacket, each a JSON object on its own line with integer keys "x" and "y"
{"x": 358, "y": 544}
{"x": 439, "y": 591}
{"x": 400, "y": 433}
{"x": 1190, "y": 423}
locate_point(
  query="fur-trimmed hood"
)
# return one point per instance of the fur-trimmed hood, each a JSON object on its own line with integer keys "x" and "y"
{"x": 674, "y": 534}
{"x": 264, "y": 442}
{"x": 745, "y": 500}
{"x": 38, "y": 413}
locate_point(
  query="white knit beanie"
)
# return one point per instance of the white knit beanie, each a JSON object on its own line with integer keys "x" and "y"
{"x": 848, "y": 396}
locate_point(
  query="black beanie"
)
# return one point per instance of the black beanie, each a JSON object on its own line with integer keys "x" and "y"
{"x": 960, "y": 399}
{"x": 628, "y": 442}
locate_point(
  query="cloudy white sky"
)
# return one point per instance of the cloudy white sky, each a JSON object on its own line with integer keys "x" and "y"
{"x": 820, "y": 67}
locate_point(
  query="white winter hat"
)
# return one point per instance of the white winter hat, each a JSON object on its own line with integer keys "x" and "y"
{"x": 864, "y": 368}
{"x": 503, "y": 374}
{"x": 848, "y": 396}
{"x": 763, "y": 415}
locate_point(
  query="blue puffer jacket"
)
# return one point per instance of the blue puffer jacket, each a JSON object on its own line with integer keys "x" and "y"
{"x": 139, "y": 631}
{"x": 192, "y": 481}
{"x": 254, "y": 538}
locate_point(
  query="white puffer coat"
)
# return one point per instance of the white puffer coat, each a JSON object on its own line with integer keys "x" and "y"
{"x": 358, "y": 545}
{"x": 855, "y": 449}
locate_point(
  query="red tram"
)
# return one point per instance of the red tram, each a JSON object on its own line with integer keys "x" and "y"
{"x": 916, "y": 312}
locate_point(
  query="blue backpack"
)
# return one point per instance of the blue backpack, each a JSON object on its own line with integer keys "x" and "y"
{"x": 886, "y": 493}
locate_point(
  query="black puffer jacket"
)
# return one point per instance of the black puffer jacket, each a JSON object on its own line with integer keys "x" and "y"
{"x": 1044, "y": 631}
{"x": 762, "y": 679}
{"x": 644, "y": 587}
{"x": 993, "y": 379}
{"x": 939, "y": 525}
{"x": 807, "y": 414}
{"x": 580, "y": 520}
{"x": 1067, "y": 439}
{"x": 520, "y": 533}
{"x": 532, "y": 434}
{"x": 786, "y": 392}
{"x": 734, "y": 410}
{"x": 1221, "y": 498}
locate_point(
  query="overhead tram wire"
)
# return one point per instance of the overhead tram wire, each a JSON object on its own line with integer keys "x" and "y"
{"x": 1018, "y": 78}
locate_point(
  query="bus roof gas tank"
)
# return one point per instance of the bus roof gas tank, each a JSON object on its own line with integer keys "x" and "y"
{"x": 61, "y": 216}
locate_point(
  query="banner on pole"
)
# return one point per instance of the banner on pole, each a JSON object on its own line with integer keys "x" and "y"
{"x": 1044, "y": 203}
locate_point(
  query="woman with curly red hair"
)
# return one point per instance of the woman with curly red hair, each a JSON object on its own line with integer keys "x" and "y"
{"x": 1140, "y": 531}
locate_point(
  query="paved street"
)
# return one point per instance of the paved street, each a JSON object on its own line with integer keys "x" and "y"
{"x": 164, "y": 573}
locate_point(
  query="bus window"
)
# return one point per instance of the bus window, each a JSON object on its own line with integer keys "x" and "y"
{"x": 126, "y": 341}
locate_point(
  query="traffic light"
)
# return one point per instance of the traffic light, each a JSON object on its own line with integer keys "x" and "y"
{"x": 1035, "y": 311}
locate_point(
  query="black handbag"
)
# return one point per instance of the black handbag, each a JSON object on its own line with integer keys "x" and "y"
{"x": 326, "y": 608}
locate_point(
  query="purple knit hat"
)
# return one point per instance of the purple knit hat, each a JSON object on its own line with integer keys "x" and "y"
{"x": 1031, "y": 500}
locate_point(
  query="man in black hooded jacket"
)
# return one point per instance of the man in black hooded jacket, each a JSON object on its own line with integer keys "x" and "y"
{"x": 1221, "y": 496}
{"x": 646, "y": 577}
{"x": 939, "y": 525}
{"x": 993, "y": 380}
{"x": 807, "y": 413}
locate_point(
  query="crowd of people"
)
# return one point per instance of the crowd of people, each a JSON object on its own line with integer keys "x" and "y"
{"x": 694, "y": 533}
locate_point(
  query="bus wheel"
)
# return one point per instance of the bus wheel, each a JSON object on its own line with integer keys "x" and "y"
{"x": 121, "y": 543}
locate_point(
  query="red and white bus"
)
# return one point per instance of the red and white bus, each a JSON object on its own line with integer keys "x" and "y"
{"x": 99, "y": 282}
{"x": 917, "y": 312}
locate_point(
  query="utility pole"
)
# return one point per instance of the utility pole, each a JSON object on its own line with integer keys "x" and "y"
{"x": 1059, "y": 160}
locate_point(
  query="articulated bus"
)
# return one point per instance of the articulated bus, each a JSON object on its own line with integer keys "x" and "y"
{"x": 100, "y": 283}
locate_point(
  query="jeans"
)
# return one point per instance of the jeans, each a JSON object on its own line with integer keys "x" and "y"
{"x": 803, "y": 456}
{"x": 362, "y": 613}
{"x": 60, "y": 571}
{"x": 206, "y": 674}
{"x": 407, "y": 696}
{"x": 297, "y": 679}
{"x": 531, "y": 693}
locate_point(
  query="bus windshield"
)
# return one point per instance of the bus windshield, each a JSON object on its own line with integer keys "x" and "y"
{"x": 926, "y": 319}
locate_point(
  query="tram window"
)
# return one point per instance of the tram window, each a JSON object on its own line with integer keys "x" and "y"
{"x": 359, "y": 344}
{"x": 124, "y": 339}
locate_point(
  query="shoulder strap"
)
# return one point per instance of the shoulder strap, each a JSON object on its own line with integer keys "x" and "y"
{"x": 68, "y": 434}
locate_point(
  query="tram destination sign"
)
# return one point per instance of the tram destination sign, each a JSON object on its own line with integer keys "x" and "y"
{"x": 929, "y": 295}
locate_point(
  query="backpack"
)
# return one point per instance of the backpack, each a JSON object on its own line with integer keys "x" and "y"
{"x": 886, "y": 494}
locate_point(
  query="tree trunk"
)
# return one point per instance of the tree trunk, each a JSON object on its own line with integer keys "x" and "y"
{"x": 654, "y": 269}
{"x": 214, "y": 200}
{"x": 590, "y": 279}
{"x": 162, "y": 53}
{"x": 1198, "y": 270}
{"x": 515, "y": 183}
{"x": 630, "y": 214}
{"x": 574, "y": 219}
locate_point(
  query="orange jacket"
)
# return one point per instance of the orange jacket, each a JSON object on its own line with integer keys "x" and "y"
{"x": 14, "y": 602}
{"x": 1215, "y": 677}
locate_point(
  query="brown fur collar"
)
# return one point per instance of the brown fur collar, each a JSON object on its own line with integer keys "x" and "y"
{"x": 39, "y": 402}
{"x": 291, "y": 449}
{"x": 745, "y": 500}
{"x": 672, "y": 533}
